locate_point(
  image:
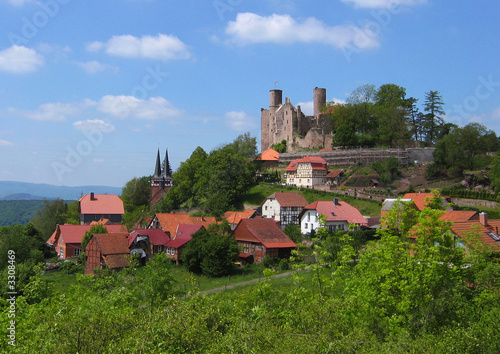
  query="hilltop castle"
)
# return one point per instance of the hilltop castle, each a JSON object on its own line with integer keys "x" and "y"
{"x": 285, "y": 122}
{"x": 162, "y": 180}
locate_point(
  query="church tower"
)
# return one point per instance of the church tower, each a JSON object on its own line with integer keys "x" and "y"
{"x": 162, "y": 180}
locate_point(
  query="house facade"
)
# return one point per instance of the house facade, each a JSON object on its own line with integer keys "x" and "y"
{"x": 66, "y": 240}
{"x": 307, "y": 172}
{"x": 259, "y": 238}
{"x": 338, "y": 215}
{"x": 284, "y": 207}
{"x": 107, "y": 251}
{"x": 175, "y": 246}
{"x": 94, "y": 207}
{"x": 148, "y": 242}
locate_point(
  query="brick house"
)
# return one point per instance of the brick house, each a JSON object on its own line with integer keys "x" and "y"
{"x": 66, "y": 240}
{"x": 262, "y": 237}
{"x": 94, "y": 207}
{"x": 486, "y": 231}
{"x": 175, "y": 246}
{"x": 307, "y": 172}
{"x": 339, "y": 215}
{"x": 107, "y": 251}
{"x": 284, "y": 207}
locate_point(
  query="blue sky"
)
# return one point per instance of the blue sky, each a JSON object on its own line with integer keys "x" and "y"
{"x": 90, "y": 89}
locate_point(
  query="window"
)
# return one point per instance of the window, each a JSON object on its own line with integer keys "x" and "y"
{"x": 61, "y": 252}
{"x": 493, "y": 236}
{"x": 77, "y": 251}
{"x": 158, "y": 249}
{"x": 305, "y": 226}
{"x": 308, "y": 217}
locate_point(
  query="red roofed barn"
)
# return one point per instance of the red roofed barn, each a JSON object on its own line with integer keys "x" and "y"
{"x": 262, "y": 237}
{"x": 107, "y": 251}
{"x": 94, "y": 207}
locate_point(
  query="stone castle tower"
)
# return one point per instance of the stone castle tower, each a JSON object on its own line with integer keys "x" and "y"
{"x": 162, "y": 180}
{"x": 284, "y": 121}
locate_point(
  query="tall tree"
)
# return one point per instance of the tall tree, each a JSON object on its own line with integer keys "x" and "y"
{"x": 136, "y": 192}
{"x": 53, "y": 213}
{"x": 432, "y": 120}
{"x": 245, "y": 145}
{"x": 390, "y": 109}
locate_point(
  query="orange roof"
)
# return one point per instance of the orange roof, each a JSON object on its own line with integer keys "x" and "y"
{"x": 170, "y": 222}
{"x": 419, "y": 199}
{"x": 234, "y": 217}
{"x": 74, "y": 233}
{"x": 269, "y": 155}
{"x": 317, "y": 163}
{"x": 102, "y": 221}
{"x": 264, "y": 231}
{"x": 101, "y": 204}
{"x": 487, "y": 233}
{"x": 459, "y": 215}
{"x": 342, "y": 211}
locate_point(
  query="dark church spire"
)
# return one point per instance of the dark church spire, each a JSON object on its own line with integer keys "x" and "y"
{"x": 167, "y": 170}
{"x": 158, "y": 165}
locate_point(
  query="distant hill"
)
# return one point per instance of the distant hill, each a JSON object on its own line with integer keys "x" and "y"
{"x": 38, "y": 191}
{"x": 13, "y": 212}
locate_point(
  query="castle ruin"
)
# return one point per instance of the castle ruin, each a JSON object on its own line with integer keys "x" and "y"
{"x": 285, "y": 122}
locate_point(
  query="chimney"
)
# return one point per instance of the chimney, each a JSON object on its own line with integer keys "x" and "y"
{"x": 92, "y": 197}
{"x": 335, "y": 201}
{"x": 483, "y": 219}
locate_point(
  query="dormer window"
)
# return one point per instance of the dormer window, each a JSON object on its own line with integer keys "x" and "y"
{"x": 493, "y": 236}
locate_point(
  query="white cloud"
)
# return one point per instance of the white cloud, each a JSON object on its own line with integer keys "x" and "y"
{"x": 6, "y": 143}
{"x": 131, "y": 107}
{"x": 250, "y": 28}
{"x": 93, "y": 67}
{"x": 161, "y": 47}
{"x": 92, "y": 125}
{"x": 239, "y": 121}
{"x": 19, "y": 60}
{"x": 56, "y": 112}
{"x": 386, "y": 4}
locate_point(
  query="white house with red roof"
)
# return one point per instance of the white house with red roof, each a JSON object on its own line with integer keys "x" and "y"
{"x": 284, "y": 207}
{"x": 94, "y": 207}
{"x": 307, "y": 172}
{"x": 339, "y": 215}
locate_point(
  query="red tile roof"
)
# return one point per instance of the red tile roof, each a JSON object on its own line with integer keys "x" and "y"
{"x": 169, "y": 222}
{"x": 102, "y": 204}
{"x": 234, "y": 217}
{"x": 289, "y": 199}
{"x": 317, "y": 163}
{"x": 184, "y": 235}
{"x": 333, "y": 173}
{"x": 459, "y": 215}
{"x": 74, "y": 233}
{"x": 264, "y": 231}
{"x": 420, "y": 199}
{"x": 343, "y": 211}
{"x": 157, "y": 237}
{"x": 269, "y": 155}
{"x": 112, "y": 243}
{"x": 466, "y": 230}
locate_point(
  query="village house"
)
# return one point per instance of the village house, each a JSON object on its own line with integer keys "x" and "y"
{"x": 307, "y": 172}
{"x": 175, "y": 246}
{"x": 147, "y": 243}
{"x": 107, "y": 251}
{"x": 169, "y": 222}
{"x": 478, "y": 233}
{"x": 268, "y": 158}
{"x": 422, "y": 199}
{"x": 234, "y": 217}
{"x": 94, "y": 207}
{"x": 262, "y": 237}
{"x": 66, "y": 240}
{"x": 338, "y": 215}
{"x": 333, "y": 177}
{"x": 284, "y": 207}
